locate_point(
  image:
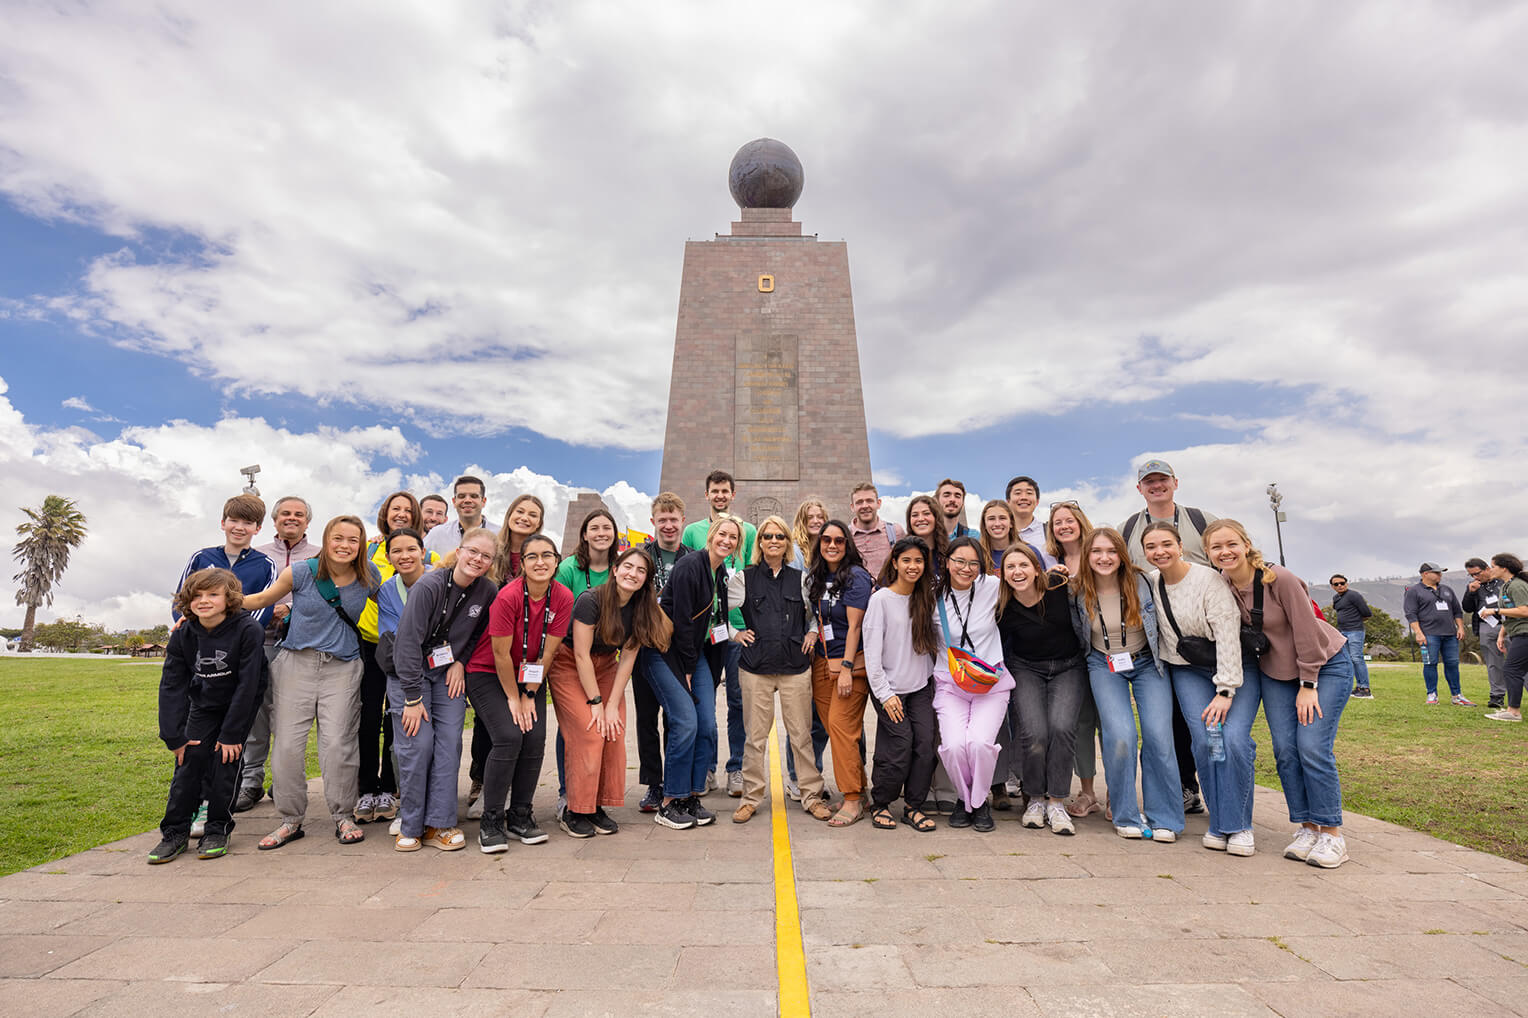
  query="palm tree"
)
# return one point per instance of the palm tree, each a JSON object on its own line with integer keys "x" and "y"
{"x": 47, "y": 538}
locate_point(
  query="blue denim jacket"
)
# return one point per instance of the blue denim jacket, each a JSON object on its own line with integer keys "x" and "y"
{"x": 1148, "y": 621}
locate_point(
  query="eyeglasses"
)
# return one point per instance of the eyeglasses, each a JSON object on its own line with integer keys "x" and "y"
{"x": 830, "y": 542}
{"x": 475, "y": 555}
{"x": 1068, "y": 503}
{"x": 539, "y": 556}
{"x": 964, "y": 563}
{"x": 771, "y": 537}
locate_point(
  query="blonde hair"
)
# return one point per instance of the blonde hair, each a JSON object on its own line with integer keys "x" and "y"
{"x": 1254, "y": 557}
{"x": 1053, "y": 547}
{"x": 500, "y": 571}
{"x": 758, "y": 545}
{"x": 723, "y": 518}
{"x": 799, "y": 536}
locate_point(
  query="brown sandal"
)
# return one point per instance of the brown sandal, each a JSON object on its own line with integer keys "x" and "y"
{"x": 843, "y": 819}
{"x": 820, "y": 810}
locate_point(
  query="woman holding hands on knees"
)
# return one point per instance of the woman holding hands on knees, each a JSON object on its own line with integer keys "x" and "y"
{"x": 611, "y": 623}
{"x": 1201, "y": 644}
{"x": 899, "y": 664}
{"x": 839, "y": 590}
{"x": 971, "y": 686}
{"x": 1302, "y": 666}
{"x": 1116, "y": 622}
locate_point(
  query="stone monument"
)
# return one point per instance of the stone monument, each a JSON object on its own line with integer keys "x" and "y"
{"x": 766, "y": 378}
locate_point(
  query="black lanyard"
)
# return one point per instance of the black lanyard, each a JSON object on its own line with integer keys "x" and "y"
{"x": 442, "y": 632}
{"x": 1105, "y": 626}
{"x": 965, "y": 637}
{"x": 526, "y": 657}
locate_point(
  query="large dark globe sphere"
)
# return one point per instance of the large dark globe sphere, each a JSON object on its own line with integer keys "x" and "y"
{"x": 765, "y": 174}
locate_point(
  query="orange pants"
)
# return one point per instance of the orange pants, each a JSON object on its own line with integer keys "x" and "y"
{"x": 844, "y": 718}
{"x": 596, "y": 766}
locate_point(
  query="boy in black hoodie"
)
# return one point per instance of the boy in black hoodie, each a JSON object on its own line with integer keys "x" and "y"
{"x": 214, "y": 676}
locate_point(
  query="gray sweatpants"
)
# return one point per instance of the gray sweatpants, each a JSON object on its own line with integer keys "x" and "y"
{"x": 1495, "y": 662}
{"x": 308, "y": 686}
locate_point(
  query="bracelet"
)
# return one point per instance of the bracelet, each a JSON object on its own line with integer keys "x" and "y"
{"x": 596, "y": 701}
{"x": 414, "y": 702}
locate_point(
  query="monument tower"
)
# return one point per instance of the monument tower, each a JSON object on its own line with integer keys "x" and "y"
{"x": 766, "y": 379}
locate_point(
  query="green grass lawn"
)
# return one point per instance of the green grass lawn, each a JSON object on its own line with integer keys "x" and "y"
{"x": 81, "y": 763}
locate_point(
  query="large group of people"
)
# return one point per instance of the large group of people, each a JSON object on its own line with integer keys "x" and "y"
{"x": 992, "y": 659}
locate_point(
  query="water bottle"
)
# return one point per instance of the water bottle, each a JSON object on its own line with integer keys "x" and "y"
{"x": 1425, "y": 661}
{"x": 1217, "y": 739}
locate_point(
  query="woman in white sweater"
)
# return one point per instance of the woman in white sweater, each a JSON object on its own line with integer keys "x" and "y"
{"x": 1199, "y": 637}
{"x": 899, "y": 662}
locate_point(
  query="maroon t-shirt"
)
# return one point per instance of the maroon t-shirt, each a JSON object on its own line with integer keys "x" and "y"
{"x": 506, "y": 617}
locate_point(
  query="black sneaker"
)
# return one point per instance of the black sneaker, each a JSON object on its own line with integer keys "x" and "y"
{"x": 491, "y": 836}
{"x": 652, "y": 800}
{"x": 702, "y": 815}
{"x": 521, "y": 823}
{"x": 1491, "y": 705}
{"x": 246, "y": 799}
{"x": 1363, "y": 694}
{"x": 1192, "y": 803}
{"x": 168, "y": 848}
{"x": 577, "y": 825}
{"x": 981, "y": 818}
{"x": 674, "y": 816}
{"x": 960, "y": 817}
{"x": 212, "y": 846}
{"x": 602, "y": 822}
{"x": 999, "y": 798}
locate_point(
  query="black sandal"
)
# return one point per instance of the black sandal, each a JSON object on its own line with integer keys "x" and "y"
{"x": 918, "y": 820}
{"x": 882, "y": 820}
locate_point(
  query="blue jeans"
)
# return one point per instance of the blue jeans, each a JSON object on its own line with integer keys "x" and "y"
{"x": 1355, "y": 638}
{"x": 429, "y": 762}
{"x": 1159, "y": 762}
{"x": 737, "y": 739}
{"x": 689, "y": 719}
{"x": 1445, "y": 649}
{"x": 1226, "y": 786}
{"x": 1303, "y": 753}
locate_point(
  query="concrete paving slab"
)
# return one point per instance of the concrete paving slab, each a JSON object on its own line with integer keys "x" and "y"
{"x": 663, "y": 1004}
{"x": 156, "y": 998}
{"x": 1004, "y": 965}
{"x": 28, "y": 998}
{"x": 832, "y": 1002}
{"x": 21, "y": 916}
{"x": 434, "y": 1001}
{"x": 741, "y": 928}
{"x": 503, "y": 925}
{"x": 299, "y": 920}
{"x": 155, "y": 918}
{"x": 1403, "y": 956}
{"x": 26, "y": 954}
{"x": 1224, "y": 1000}
{"x": 184, "y": 959}
{"x": 1378, "y": 998}
{"x": 362, "y": 963}
{"x": 575, "y": 967}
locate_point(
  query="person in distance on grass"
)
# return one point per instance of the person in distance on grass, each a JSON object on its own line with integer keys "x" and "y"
{"x": 1305, "y": 676}
{"x": 1485, "y": 592}
{"x": 1436, "y": 618}
{"x": 214, "y": 677}
{"x": 1512, "y": 635}
{"x": 1350, "y": 609}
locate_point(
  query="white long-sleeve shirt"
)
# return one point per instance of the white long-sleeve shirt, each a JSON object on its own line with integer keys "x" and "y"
{"x": 891, "y": 663}
{"x": 1203, "y": 605}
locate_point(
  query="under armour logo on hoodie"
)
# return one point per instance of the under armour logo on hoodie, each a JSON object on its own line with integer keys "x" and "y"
{"x": 216, "y": 661}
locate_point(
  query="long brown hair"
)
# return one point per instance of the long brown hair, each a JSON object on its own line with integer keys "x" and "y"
{"x": 581, "y": 552}
{"x": 1013, "y": 527}
{"x": 415, "y": 519}
{"x": 650, "y": 627}
{"x": 1254, "y": 557}
{"x": 364, "y": 573}
{"x": 941, "y": 546}
{"x": 1053, "y": 546}
{"x": 921, "y": 603}
{"x": 1005, "y": 594}
{"x": 500, "y": 572}
{"x": 799, "y": 537}
{"x": 1128, "y": 575}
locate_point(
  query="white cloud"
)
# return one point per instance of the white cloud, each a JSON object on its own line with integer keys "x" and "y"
{"x": 78, "y": 403}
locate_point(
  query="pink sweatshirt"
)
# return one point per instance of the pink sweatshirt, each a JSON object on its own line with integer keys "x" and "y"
{"x": 1298, "y": 642}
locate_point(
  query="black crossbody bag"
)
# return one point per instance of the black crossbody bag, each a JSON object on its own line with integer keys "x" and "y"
{"x": 1253, "y": 640}
{"x": 1196, "y": 650}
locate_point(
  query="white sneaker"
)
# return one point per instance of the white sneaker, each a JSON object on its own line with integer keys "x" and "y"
{"x": 1129, "y": 832}
{"x": 1034, "y": 814}
{"x": 1240, "y": 843}
{"x": 710, "y": 783}
{"x": 1299, "y": 849}
{"x": 1013, "y": 788}
{"x": 562, "y": 807}
{"x": 396, "y": 827}
{"x": 792, "y": 790}
{"x": 1060, "y": 822}
{"x": 475, "y": 809}
{"x": 735, "y": 784}
{"x": 199, "y": 821}
{"x": 1330, "y": 852}
{"x": 1213, "y": 842}
{"x": 1163, "y": 835}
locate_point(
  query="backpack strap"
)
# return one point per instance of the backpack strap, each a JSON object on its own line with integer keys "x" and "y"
{"x": 1196, "y": 517}
{"x": 330, "y": 593}
{"x": 891, "y": 532}
{"x": 1132, "y": 525}
{"x": 1257, "y": 600}
{"x": 1167, "y": 607}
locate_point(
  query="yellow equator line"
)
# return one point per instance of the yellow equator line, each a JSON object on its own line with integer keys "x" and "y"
{"x": 790, "y": 957}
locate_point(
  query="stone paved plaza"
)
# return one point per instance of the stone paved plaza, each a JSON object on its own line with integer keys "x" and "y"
{"x": 659, "y": 922}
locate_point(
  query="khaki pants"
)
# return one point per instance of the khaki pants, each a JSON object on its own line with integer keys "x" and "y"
{"x": 309, "y": 685}
{"x": 759, "y": 715}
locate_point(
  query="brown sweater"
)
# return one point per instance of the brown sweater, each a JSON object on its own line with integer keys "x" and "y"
{"x": 1298, "y": 642}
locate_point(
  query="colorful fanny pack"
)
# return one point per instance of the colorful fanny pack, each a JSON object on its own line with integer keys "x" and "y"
{"x": 970, "y": 673}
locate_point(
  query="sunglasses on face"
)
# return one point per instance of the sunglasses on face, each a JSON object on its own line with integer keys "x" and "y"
{"x": 771, "y": 537}
{"x": 831, "y": 542}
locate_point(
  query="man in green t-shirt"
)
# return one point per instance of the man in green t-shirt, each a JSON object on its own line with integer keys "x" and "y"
{"x": 720, "y": 491}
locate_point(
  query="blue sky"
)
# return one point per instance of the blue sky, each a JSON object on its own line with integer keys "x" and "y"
{"x": 1267, "y": 244}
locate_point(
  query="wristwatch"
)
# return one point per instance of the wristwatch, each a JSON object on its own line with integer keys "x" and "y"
{"x": 846, "y": 663}
{"x": 1307, "y": 684}
{"x": 1228, "y": 694}
{"x": 596, "y": 701}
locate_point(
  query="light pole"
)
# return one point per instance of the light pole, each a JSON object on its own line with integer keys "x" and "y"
{"x": 1274, "y": 501}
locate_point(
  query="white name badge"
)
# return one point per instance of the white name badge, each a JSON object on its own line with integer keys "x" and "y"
{"x": 1442, "y": 606}
{"x": 719, "y": 634}
{"x": 1120, "y": 662}
{"x": 530, "y": 675}
{"x": 441, "y": 656}
{"x": 1490, "y": 621}
{"x": 827, "y": 631}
